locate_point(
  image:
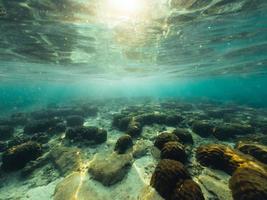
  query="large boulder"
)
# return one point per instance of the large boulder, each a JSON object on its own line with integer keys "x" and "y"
{"x": 17, "y": 157}
{"x": 184, "y": 135}
{"x": 110, "y": 169}
{"x": 166, "y": 175}
{"x": 163, "y": 138}
{"x": 75, "y": 120}
{"x": 203, "y": 128}
{"x": 44, "y": 125}
{"x": 249, "y": 184}
{"x": 89, "y": 134}
{"x": 225, "y": 158}
{"x": 256, "y": 150}
{"x": 174, "y": 151}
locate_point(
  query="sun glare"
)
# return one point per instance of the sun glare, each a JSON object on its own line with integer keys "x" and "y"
{"x": 124, "y": 8}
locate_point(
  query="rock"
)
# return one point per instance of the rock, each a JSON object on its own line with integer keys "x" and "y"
{"x": 89, "y": 133}
{"x": 166, "y": 175}
{"x": 40, "y": 138}
{"x": 227, "y": 131}
{"x": 19, "y": 119}
{"x": 173, "y": 119}
{"x": 141, "y": 148}
{"x": 249, "y": 184}
{"x": 187, "y": 190}
{"x": 123, "y": 144}
{"x": 74, "y": 120}
{"x": 224, "y": 158}
{"x": 184, "y": 136}
{"x": 6, "y": 132}
{"x": 121, "y": 122}
{"x": 3, "y": 146}
{"x": 18, "y": 140}
{"x": 110, "y": 169}
{"x": 163, "y": 138}
{"x": 60, "y": 127}
{"x": 202, "y": 128}
{"x": 174, "y": 151}
{"x": 149, "y": 193}
{"x": 256, "y": 150}
{"x": 66, "y": 159}
{"x": 134, "y": 128}
{"x": 75, "y": 186}
{"x": 44, "y": 125}
{"x": 17, "y": 157}
{"x": 151, "y": 118}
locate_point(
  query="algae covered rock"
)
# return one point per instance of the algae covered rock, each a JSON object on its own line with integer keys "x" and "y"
{"x": 17, "y": 157}
{"x": 166, "y": 175}
{"x": 123, "y": 144}
{"x": 75, "y": 120}
{"x": 224, "y": 158}
{"x": 249, "y": 184}
{"x": 184, "y": 136}
{"x": 187, "y": 190}
{"x": 89, "y": 133}
{"x": 256, "y": 150}
{"x": 202, "y": 128}
{"x": 110, "y": 169}
{"x": 163, "y": 138}
{"x": 43, "y": 125}
{"x": 226, "y": 131}
{"x": 173, "y": 151}
{"x": 134, "y": 128}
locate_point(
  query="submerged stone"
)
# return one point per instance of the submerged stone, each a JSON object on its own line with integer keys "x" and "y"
{"x": 184, "y": 135}
{"x": 174, "y": 151}
{"x": 6, "y": 132}
{"x": 249, "y": 184}
{"x": 256, "y": 150}
{"x": 110, "y": 169}
{"x": 163, "y": 138}
{"x": 44, "y": 125}
{"x": 166, "y": 175}
{"x": 123, "y": 144}
{"x": 202, "y": 128}
{"x": 75, "y": 120}
{"x": 17, "y": 157}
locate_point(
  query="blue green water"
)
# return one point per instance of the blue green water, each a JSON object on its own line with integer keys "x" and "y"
{"x": 54, "y": 51}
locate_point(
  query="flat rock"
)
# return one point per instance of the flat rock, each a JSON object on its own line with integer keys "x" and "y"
{"x": 66, "y": 159}
{"x": 110, "y": 169}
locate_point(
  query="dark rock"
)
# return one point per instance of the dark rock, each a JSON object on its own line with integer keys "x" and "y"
{"x": 187, "y": 190}
{"x": 3, "y": 146}
{"x": 45, "y": 125}
{"x": 75, "y": 120}
{"x": 89, "y": 133}
{"x": 123, "y": 144}
{"x": 17, "y": 157}
{"x": 184, "y": 136}
{"x": 226, "y": 131}
{"x": 18, "y": 140}
{"x": 173, "y": 151}
{"x": 166, "y": 175}
{"x": 121, "y": 122}
{"x": 40, "y": 138}
{"x": 6, "y": 132}
{"x": 248, "y": 184}
{"x": 151, "y": 118}
{"x": 163, "y": 138}
{"x": 173, "y": 119}
{"x": 60, "y": 127}
{"x": 134, "y": 128}
{"x": 202, "y": 128}
{"x": 256, "y": 150}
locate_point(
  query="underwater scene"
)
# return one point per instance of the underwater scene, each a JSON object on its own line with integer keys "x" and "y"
{"x": 133, "y": 99}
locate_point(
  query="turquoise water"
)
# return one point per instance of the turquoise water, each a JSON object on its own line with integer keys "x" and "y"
{"x": 76, "y": 76}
